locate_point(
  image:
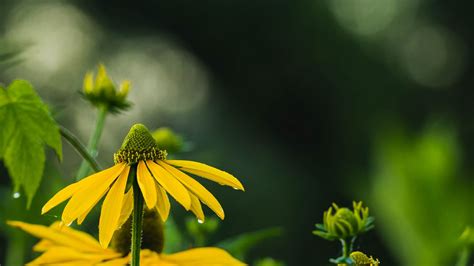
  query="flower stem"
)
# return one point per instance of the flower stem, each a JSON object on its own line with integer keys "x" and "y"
{"x": 345, "y": 248}
{"x": 93, "y": 141}
{"x": 16, "y": 249}
{"x": 79, "y": 147}
{"x": 351, "y": 247}
{"x": 137, "y": 221}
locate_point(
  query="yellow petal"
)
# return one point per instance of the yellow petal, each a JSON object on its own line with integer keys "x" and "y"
{"x": 43, "y": 245}
{"x": 89, "y": 195}
{"x": 202, "y": 257}
{"x": 88, "y": 85}
{"x": 83, "y": 216}
{"x": 85, "y": 238}
{"x": 147, "y": 185}
{"x": 170, "y": 184}
{"x": 60, "y": 196}
{"x": 68, "y": 191}
{"x": 162, "y": 203}
{"x": 111, "y": 208}
{"x": 196, "y": 207}
{"x": 54, "y": 235}
{"x": 208, "y": 172}
{"x": 127, "y": 208}
{"x": 70, "y": 256}
{"x": 200, "y": 191}
{"x": 118, "y": 261}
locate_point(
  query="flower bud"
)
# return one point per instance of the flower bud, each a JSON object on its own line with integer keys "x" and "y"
{"x": 167, "y": 140}
{"x": 344, "y": 223}
{"x": 102, "y": 91}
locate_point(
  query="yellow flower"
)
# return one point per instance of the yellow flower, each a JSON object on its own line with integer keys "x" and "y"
{"x": 156, "y": 178}
{"x": 195, "y": 257}
{"x": 66, "y": 246}
{"x": 102, "y": 91}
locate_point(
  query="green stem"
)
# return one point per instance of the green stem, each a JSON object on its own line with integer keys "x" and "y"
{"x": 351, "y": 247}
{"x": 79, "y": 147}
{"x": 463, "y": 257}
{"x": 84, "y": 169}
{"x": 345, "y": 248}
{"x": 16, "y": 249}
{"x": 137, "y": 221}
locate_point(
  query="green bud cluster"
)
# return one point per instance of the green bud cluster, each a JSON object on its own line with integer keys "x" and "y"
{"x": 344, "y": 223}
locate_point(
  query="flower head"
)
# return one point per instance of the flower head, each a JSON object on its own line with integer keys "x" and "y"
{"x": 344, "y": 223}
{"x": 358, "y": 258}
{"x": 157, "y": 177}
{"x": 66, "y": 246}
{"x": 102, "y": 91}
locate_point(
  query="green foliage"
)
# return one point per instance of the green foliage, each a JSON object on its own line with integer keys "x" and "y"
{"x": 240, "y": 245}
{"x": 174, "y": 239}
{"x": 9, "y": 54}
{"x": 269, "y": 262}
{"x": 421, "y": 204}
{"x": 27, "y": 126}
{"x": 19, "y": 243}
{"x": 201, "y": 231}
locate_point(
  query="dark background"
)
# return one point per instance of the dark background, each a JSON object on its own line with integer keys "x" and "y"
{"x": 295, "y": 99}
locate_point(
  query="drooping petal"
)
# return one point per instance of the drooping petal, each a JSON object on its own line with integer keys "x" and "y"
{"x": 117, "y": 262}
{"x": 43, "y": 245}
{"x": 85, "y": 238}
{"x": 68, "y": 191}
{"x": 162, "y": 203}
{"x": 195, "y": 187}
{"x": 89, "y": 195}
{"x": 111, "y": 209}
{"x": 83, "y": 216}
{"x": 208, "y": 172}
{"x": 127, "y": 208}
{"x": 54, "y": 235}
{"x": 196, "y": 207}
{"x": 147, "y": 185}
{"x": 202, "y": 257}
{"x": 61, "y": 196}
{"x": 170, "y": 184}
{"x": 70, "y": 256}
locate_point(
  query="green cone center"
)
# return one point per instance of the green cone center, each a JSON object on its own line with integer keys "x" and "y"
{"x": 139, "y": 145}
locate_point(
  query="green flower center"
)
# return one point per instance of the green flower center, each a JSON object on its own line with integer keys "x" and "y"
{"x": 139, "y": 145}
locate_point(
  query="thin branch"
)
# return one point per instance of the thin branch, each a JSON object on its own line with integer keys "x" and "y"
{"x": 79, "y": 147}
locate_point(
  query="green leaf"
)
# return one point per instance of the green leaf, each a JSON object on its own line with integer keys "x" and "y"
{"x": 27, "y": 126}
{"x": 241, "y": 244}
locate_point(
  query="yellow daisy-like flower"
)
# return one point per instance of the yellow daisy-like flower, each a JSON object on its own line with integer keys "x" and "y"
{"x": 157, "y": 177}
{"x": 66, "y": 246}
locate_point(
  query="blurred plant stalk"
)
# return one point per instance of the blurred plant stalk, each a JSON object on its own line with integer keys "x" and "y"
{"x": 93, "y": 144}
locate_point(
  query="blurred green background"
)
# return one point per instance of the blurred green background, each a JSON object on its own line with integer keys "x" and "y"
{"x": 306, "y": 102}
